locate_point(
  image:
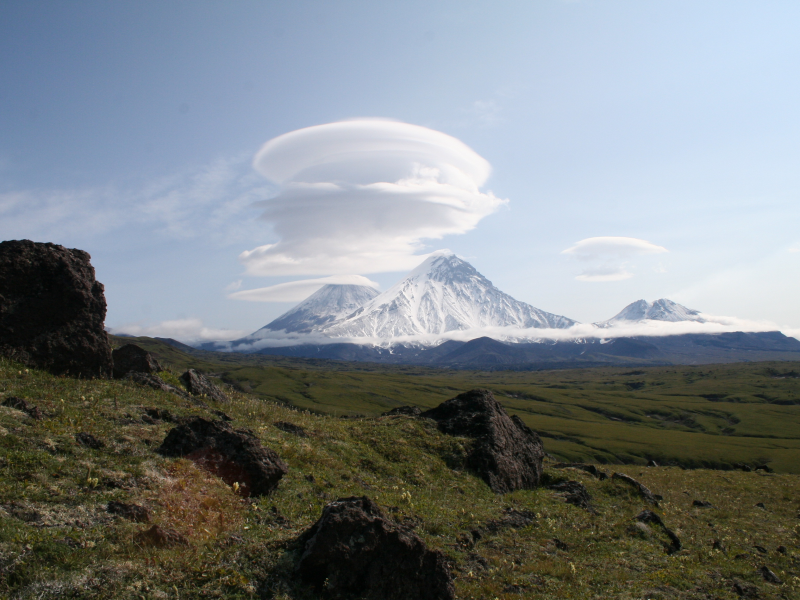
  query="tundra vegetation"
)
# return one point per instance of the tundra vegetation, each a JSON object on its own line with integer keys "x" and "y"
{"x": 95, "y": 442}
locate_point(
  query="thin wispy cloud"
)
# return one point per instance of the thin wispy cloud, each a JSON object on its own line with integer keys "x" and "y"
{"x": 214, "y": 201}
{"x": 362, "y": 196}
{"x": 295, "y": 291}
{"x": 609, "y": 258}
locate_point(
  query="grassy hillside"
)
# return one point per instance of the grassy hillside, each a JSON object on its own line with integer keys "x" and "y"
{"x": 705, "y": 416}
{"x": 57, "y": 540}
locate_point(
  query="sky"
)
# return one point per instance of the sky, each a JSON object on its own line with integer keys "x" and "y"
{"x": 580, "y": 154}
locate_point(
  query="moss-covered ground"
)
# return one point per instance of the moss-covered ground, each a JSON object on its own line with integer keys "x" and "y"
{"x": 58, "y": 541}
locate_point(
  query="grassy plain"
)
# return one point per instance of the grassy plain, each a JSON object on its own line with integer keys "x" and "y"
{"x": 57, "y": 540}
{"x": 705, "y": 416}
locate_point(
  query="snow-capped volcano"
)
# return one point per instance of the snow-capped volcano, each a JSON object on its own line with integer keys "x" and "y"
{"x": 445, "y": 293}
{"x": 330, "y": 303}
{"x": 659, "y": 310}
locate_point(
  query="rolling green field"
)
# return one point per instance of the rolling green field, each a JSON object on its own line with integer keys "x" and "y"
{"x": 707, "y": 416}
{"x": 57, "y": 539}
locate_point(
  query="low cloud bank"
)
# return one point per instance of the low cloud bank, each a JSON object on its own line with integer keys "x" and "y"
{"x": 713, "y": 324}
{"x": 189, "y": 331}
{"x": 360, "y": 196}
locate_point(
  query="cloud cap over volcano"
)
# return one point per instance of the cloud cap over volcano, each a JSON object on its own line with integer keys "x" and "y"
{"x": 360, "y": 196}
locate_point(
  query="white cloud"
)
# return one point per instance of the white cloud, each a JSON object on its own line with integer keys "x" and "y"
{"x": 213, "y": 202}
{"x": 361, "y": 196}
{"x": 711, "y": 325}
{"x": 185, "y": 330}
{"x": 610, "y": 256}
{"x": 295, "y": 291}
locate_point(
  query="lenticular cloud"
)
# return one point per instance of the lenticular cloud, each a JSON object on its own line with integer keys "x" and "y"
{"x": 360, "y": 196}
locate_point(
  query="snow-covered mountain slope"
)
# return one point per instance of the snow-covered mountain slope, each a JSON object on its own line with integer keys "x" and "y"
{"x": 659, "y": 310}
{"x": 330, "y": 303}
{"x": 445, "y": 293}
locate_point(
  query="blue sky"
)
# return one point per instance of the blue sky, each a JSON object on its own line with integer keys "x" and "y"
{"x": 129, "y": 129}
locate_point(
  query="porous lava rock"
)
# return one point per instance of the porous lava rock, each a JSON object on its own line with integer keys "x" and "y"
{"x": 408, "y": 411}
{"x": 643, "y": 490}
{"x": 52, "y": 310}
{"x": 236, "y": 456}
{"x": 353, "y": 550}
{"x": 132, "y": 512}
{"x": 650, "y": 518}
{"x": 506, "y": 453}
{"x": 131, "y": 358}
{"x": 21, "y": 404}
{"x": 154, "y": 381}
{"x": 199, "y": 385}
{"x": 160, "y": 538}
{"x": 287, "y": 427}
{"x": 574, "y": 493}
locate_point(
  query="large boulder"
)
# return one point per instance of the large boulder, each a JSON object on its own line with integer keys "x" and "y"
{"x": 354, "y": 550}
{"x": 505, "y": 453}
{"x": 130, "y": 358}
{"x": 200, "y": 385}
{"x": 52, "y": 310}
{"x": 234, "y": 456}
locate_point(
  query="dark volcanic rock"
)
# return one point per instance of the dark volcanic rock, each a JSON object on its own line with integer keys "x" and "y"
{"x": 644, "y": 492}
{"x": 21, "y": 404}
{"x": 291, "y": 428}
{"x": 574, "y": 493}
{"x": 88, "y": 440}
{"x": 769, "y": 575}
{"x": 354, "y": 550}
{"x": 601, "y": 475}
{"x": 154, "y": 381}
{"x": 511, "y": 519}
{"x": 651, "y": 518}
{"x": 133, "y": 359}
{"x": 160, "y": 538}
{"x": 52, "y": 310}
{"x": 409, "y": 411}
{"x": 132, "y": 512}
{"x": 199, "y": 385}
{"x": 234, "y": 456}
{"x": 702, "y": 504}
{"x": 746, "y": 590}
{"x": 506, "y": 453}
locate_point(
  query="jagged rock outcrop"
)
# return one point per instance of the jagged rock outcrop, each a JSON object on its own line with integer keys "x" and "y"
{"x": 52, "y": 309}
{"x": 353, "y": 550}
{"x": 408, "y": 411}
{"x": 154, "y": 381}
{"x": 236, "y": 456}
{"x": 643, "y": 490}
{"x": 648, "y": 517}
{"x": 21, "y": 404}
{"x": 132, "y": 512}
{"x": 506, "y": 453}
{"x": 200, "y": 385}
{"x": 130, "y": 358}
{"x": 574, "y": 493}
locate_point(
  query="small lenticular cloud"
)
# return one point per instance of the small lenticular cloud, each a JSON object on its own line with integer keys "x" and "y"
{"x": 610, "y": 255}
{"x": 295, "y": 291}
{"x": 360, "y": 196}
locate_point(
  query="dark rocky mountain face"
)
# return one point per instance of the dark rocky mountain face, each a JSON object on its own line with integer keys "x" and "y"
{"x": 52, "y": 309}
